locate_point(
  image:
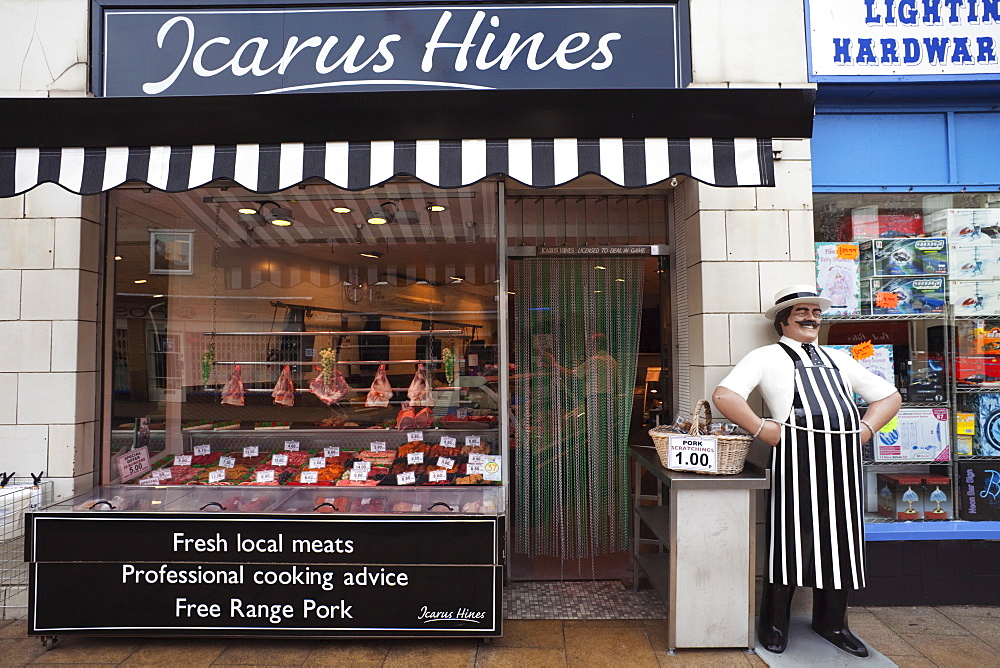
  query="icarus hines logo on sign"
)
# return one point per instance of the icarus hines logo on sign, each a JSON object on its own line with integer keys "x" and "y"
{"x": 428, "y": 616}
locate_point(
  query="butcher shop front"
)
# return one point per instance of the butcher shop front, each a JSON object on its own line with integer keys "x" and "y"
{"x": 359, "y": 331}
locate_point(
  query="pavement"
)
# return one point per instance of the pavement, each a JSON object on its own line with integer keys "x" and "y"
{"x": 944, "y": 636}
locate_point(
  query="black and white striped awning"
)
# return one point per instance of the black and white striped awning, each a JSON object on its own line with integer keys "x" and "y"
{"x": 356, "y": 165}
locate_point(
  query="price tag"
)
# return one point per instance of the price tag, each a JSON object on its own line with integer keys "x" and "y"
{"x": 414, "y": 436}
{"x": 359, "y": 475}
{"x": 415, "y": 458}
{"x": 291, "y": 446}
{"x": 362, "y": 466}
{"x": 317, "y": 462}
{"x": 182, "y": 460}
{"x": 133, "y": 463}
{"x": 446, "y": 462}
{"x": 265, "y": 476}
{"x": 448, "y": 442}
{"x": 377, "y": 446}
{"x": 309, "y": 477}
{"x": 847, "y": 251}
{"x": 438, "y": 476}
{"x": 693, "y": 453}
{"x": 279, "y": 460}
{"x": 251, "y": 451}
{"x": 476, "y": 458}
{"x": 152, "y": 480}
{"x": 473, "y": 469}
{"x": 889, "y": 300}
{"x": 218, "y": 475}
{"x": 462, "y": 413}
{"x": 227, "y": 462}
{"x": 163, "y": 474}
{"x": 365, "y": 501}
{"x": 473, "y": 441}
{"x": 863, "y": 350}
{"x": 200, "y": 450}
{"x": 407, "y": 478}
{"x": 332, "y": 451}
{"x": 493, "y": 467}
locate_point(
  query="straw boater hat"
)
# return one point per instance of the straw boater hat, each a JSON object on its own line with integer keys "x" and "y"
{"x": 796, "y": 294}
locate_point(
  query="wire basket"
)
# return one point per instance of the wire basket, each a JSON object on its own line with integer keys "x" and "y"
{"x": 732, "y": 450}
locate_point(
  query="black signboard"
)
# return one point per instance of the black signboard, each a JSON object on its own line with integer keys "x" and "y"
{"x": 242, "y": 50}
{"x": 978, "y": 487}
{"x": 264, "y": 575}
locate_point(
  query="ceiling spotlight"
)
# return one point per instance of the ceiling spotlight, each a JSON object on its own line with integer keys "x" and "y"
{"x": 436, "y": 208}
{"x": 279, "y": 216}
{"x": 600, "y": 267}
{"x": 157, "y": 296}
{"x": 378, "y": 215}
{"x": 247, "y": 210}
{"x": 457, "y": 279}
{"x": 620, "y": 280}
{"x": 341, "y": 209}
{"x": 139, "y": 281}
{"x": 372, "y": 254}
{"x": 118, "y": 257}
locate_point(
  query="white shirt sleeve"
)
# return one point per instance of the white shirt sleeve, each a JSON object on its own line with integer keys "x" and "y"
{"x": 870, "y": 386}
{"x": 747, "y": 374}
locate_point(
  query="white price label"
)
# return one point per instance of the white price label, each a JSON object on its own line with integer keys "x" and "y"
{"x": 473, "y": 441}
{"x": 265, "y": 476}
{"x": 152, "y": 480}
{"x": 317, "y": 462}
{"x": 446, "y": 462}
{"x": 309, "y": 477}
{"x": 437, "y": 476}
{"x": 377, "y": 446}
{"x": 279, "y": 460}
{"x": 472, "y": 469}
{"x": 492, "y": 467}
{"x": 476, "y": 458}
{"x": 448, "y": 442}
{"x": 362, "y": 466}
{"x": 693, "y": 453}
{"x": 462, "y": 413}
{"x": 227, "y": 462}
{"x": 359, "y": 475}
{"x": 291, "y": 446}
{"x": 133, "y": 463}
{"x": 407, "y": 478}
{"x": 332, "y": 451}
{"x": 218, "y": 475}
{"x": 365, "y": 501}
{"x": 182, "y": 460}
{"x": 200, "y": 450}
{"x": 163, "y": 474}
{"x": 414, "y": 436}
{"x": 251, "y": 451}
{"x": 415, "y": 458}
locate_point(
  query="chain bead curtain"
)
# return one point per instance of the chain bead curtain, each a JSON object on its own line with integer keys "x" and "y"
{"x": 576, "y": 338}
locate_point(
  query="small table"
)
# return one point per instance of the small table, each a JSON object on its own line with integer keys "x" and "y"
{"x": 703, "y": 569}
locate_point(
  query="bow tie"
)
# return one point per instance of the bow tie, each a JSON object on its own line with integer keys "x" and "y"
{"x": 813, "y": 355}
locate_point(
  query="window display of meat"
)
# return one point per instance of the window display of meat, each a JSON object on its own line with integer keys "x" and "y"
{"x": 232, "y": 393}
{"x": 424, "y": 418}
{"x": 205, "y": 460}
{"x": 381, "y": 390}
{"x": 284, "y": 390}
{"x": 405, "y": 418}
{"x": 332, "y": 391}
{"x": 419, "y": 392}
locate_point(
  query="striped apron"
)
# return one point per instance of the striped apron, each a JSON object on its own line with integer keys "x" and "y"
{"x": 815, "y": 522}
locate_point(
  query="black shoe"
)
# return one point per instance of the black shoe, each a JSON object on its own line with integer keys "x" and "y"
{"x": 844, "y": 640}
{"x": 773, "y": 640}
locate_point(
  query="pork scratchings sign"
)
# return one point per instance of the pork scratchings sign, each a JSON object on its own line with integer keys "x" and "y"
{"x": 896, "y": 40}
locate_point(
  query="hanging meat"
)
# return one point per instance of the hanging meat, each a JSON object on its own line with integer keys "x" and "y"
{"x": 381, "y": 390}
{"x": 419, "y": 391}
{"x": 232, "y": 393}
{"x": 284, "y": 390}
{"x": 330, "y": 391}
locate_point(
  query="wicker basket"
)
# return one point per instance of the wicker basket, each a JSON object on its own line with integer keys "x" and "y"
{"x": 732, "y": 449}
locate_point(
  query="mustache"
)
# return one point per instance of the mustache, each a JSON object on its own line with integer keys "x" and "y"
{"x": 814, "y": 323}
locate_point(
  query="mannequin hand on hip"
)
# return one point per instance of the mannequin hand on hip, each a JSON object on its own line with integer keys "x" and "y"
{"x": 737, "y": 410}
{"x": 771, "y": 433}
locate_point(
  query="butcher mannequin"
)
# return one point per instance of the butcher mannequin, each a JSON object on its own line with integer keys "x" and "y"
{"x": 815, "y": 522}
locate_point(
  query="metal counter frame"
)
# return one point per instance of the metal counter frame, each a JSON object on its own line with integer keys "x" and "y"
{"x": 705, "y": 534}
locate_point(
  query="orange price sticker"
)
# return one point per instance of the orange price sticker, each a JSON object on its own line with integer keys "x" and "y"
{"x": 863, "y": 351}
{"x": 847, "y": 251}
{"x": 887, "y": 300}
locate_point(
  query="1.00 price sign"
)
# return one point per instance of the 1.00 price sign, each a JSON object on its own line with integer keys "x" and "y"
{"x": 693, "y": 453}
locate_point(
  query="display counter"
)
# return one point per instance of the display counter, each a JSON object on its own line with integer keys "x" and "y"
{"x": 268, "y": 561}
{"x": 701, "y": 557}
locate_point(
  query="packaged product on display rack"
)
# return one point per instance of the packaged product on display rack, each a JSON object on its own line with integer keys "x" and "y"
{"x": 964, "y": 224}
{"x": 900, "y": 495}
{"x": 903, "y": 295}
{"x": 975, "y": 298}
{"x": 915, "y": 434}
{"x": 937, "y": 497}
{"x": 920, "y": 256}
{"x": 971, "y": 260}
{"x": 837, "y": 277}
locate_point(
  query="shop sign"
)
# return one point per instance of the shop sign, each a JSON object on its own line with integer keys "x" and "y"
{"x": 903, "y": 40}
{"x": 265, "y": 575}
{"x": 693, "y": 453}
{"x": 147, "y": 51}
